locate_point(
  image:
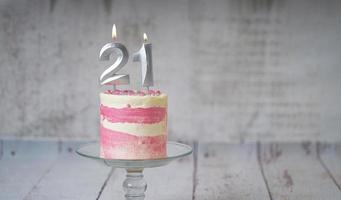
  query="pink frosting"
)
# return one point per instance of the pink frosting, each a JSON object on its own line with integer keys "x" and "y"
{"x": 120, "y": 145}
{"x": 133, "y": 115}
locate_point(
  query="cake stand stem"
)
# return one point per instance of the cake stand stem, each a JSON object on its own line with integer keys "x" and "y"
{"x": 134, "y": 185}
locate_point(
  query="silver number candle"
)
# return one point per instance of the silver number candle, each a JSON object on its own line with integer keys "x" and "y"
{"x": 144, "y": 56}
{"x": 109, "y": 76}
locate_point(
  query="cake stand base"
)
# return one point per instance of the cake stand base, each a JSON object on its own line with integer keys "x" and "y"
{"x": 134, "y": 185}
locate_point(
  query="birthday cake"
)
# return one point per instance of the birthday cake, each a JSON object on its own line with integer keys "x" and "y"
{"x": 133, "y": 124}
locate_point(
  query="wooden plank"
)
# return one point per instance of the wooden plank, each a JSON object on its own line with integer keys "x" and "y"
{"x": 72, "y": 177}
{"x": 293, "y": 171}
{"x": 173, "y": 181}
{"x": 23, "y": 165}
{"x": 330, "y": 157}
{"x": 229, "y": 171}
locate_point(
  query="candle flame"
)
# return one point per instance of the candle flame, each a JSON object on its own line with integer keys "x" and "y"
{"x": 145, "y": 38}
{"x": 113, "y": 33}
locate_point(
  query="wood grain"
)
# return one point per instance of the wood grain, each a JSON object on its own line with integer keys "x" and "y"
{"x": 24, "y": 165}
{"x": 294, "y": 172}
{"x": 283, "y": 171}
{"x": 229, "y": 171}
{"x": 330, "y": 157}
{"x": 71, "y": 177}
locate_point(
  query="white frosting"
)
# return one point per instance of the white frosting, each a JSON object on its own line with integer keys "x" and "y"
{"x": 137, "y": 129}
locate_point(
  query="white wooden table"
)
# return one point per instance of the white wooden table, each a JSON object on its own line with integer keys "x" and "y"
{"x": 52, "y": 170}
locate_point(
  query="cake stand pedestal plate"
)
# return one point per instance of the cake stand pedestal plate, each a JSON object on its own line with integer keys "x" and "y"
{"x": 134, "y": 185}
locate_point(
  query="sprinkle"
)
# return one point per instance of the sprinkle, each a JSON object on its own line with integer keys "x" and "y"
{"x": 140, "y": 93}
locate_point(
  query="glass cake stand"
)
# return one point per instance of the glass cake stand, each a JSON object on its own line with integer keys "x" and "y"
{"x": 134, "y": 185}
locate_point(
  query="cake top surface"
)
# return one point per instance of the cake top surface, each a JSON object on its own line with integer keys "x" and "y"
{"x": 134, "y": 93}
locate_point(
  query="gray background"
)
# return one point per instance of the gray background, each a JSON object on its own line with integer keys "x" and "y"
{"x": 234, "y": 70}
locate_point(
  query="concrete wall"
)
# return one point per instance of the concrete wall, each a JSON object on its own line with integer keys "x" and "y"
{"x": 234, "y": 70}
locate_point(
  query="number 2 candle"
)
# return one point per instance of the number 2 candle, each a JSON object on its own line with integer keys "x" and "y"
{"x": 109, "y": 76}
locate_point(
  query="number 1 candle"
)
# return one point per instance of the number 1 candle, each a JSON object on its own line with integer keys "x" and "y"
{"x": 144, "y": 56}
{"x": 109, "y": 76}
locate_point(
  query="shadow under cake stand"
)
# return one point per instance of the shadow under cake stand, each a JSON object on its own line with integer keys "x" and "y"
{"x": 134, "y": 185}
